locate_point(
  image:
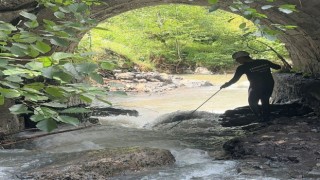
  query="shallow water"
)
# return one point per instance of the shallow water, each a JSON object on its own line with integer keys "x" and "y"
{"x": 151, "y": 106}
{"x": 120, "y": 131}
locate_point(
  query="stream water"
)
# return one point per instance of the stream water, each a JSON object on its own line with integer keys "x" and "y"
{"x": 120, "y": 131}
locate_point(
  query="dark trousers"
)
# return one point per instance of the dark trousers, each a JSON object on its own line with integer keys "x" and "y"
{"x": 263, "y": 94}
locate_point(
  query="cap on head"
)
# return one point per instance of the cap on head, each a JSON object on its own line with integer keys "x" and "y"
{"x": 239, "y": 54}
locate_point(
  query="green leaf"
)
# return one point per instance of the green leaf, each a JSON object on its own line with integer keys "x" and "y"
{"x": 37, "y": 117}
{"x": 55, "y": 104}
{"x": 1, "y": 100}
{"x": 32, "y": 91}
{"x": 14, "y": 78}
{"x": 213, "y": 1}
{"x": 10, "y": 93}
{"x": 249, "y": 1}
{"x": 36, "y": 85}
{"x": 31, "y": 24}
{"x": 59, "y": 15}
{"x": 287, "y": 8}
{"x": 64, "y": 9}
{"x": 26, "y": 37}
{"x": 32, "y": 52}
{"x": 15, "y": 71}
{"x": 72, "y": 70}
{"x": 86, "y": 68}
{"x": 85, "y": 99}
{"x": 266, "y": 7}
{"x": 48, "y": 72}
{"x": 76, "y": 110}
{"x": 46, "y": 61}
{"x": 54, "y": 91}
{"x": 10, "y": 84}
{"x": 70, "y": 120}
{"x": 41, "y": 47}
{"x": 59, "y": 42}
{"x": 28, "y": 15}
{"x": 18, "y": 51}
{"x": 78, "y": 7}
{"x": 3, "y": 36}
{"x": 3, "y": 62}
{"x": 61, "y": 55}
{"x": 289, "y": 26}
{"x": 34, "y": 97}
{"x": 47, "y": 125}
{"x": 7, "y": 26}
{"x": 19, "y": 109}
{"x": 63, "y": 77}
{"x": 49, "y": 23}
{"x": 96, "y": 77}
{"x": 21, "y": 45}
{"x": 34, "y": 65}
{"x": 47, "y": 112}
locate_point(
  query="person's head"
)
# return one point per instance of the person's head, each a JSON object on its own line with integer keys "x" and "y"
{"x": 241, "y": 57}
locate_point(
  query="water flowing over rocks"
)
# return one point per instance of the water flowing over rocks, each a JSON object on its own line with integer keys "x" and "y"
{"x": 285, "y": 147}
{"x": 102, "y": 164}
{"x": 202, "y": 129}
{"x": 151, "y": 82}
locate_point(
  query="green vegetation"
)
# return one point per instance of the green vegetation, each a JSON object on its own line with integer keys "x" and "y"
{"x": 172, "y": 37}
{"x": 40, "y": 79}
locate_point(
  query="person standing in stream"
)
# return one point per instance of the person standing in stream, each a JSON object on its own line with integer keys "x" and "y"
{"x": 261, "y": 81}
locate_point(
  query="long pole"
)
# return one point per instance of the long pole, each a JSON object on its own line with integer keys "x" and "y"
{"x": 197, "y": 108}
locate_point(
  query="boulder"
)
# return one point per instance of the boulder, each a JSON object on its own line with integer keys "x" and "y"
{"x": 102, "y": 164}
{"x": 202, "y": 70}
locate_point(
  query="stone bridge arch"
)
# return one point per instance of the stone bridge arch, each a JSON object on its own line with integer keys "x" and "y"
{"x": 302, "y": 43}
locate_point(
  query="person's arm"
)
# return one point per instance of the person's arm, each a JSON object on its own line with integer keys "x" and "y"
{"x": 239, "y": 72}
{"x": 274, "y": 66}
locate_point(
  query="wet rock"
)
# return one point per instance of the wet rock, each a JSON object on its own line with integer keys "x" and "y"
{"x": 125, "y": 76}
{"x": 243, "y": 115}
{"x": 305, "y": 90}
{"x": 150, "y": 82}
{"x": 293, "y": 159}
{"x": 109, "y": 111}
{"x": 314, "y": 173}
{"x": 2, "y": 134}
{"x": 289, "y": 143}
{"x": 202, "y": 70}
{"x": 102, "y": 164}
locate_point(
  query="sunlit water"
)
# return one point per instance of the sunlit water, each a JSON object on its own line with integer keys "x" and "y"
{"x": 183, "y": 99}
{"x": 120, "y": 131}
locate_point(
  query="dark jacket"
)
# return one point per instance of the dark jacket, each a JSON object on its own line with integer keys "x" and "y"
{"x": 258, "y": 73}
